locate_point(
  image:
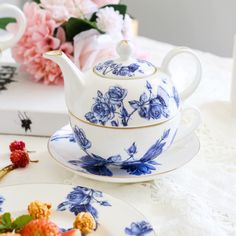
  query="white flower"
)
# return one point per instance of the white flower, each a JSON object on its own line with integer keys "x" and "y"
{"x": 109, "y": 20}
{"x": 128, "y": 29}
{"x": 84, "y": 7}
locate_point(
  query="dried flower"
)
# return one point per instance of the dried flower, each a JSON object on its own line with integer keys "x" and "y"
{"x": 40, "y": 210}
{"x": 85, "y": 222}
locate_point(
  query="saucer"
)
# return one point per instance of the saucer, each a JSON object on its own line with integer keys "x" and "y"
{"x": 66, "y": 152}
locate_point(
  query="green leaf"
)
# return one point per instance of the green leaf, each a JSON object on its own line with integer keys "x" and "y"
{"x": 6, "y": 218}
{"x": 121, "y": 8}
{"x": 5, "y": 21}
{"x": 20, "y": 221}
{"x": 37, "y": 1}
{"x": 75, "y": 26}
{"x": 6, "y": 224}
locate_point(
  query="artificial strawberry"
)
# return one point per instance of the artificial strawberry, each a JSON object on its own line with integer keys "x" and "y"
{"x": 19, "y": 158}
{"x": 72, "y": 232}
{"x": 17, "y": 145}
{"x": 40, "y": 227}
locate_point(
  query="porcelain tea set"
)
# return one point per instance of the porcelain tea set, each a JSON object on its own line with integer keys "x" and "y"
{"x": 125, "y": 111}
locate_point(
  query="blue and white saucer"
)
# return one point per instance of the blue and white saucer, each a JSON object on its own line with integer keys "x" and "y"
{"x": 113, "y": 216}
{"x": 66, "y": 152}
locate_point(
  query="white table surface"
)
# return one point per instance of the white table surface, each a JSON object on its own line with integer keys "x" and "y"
{"x": 197, "y": 199}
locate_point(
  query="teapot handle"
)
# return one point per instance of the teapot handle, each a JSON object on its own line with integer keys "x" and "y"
{"x": 187, "y": 92}
{"x": 15, "y": 12}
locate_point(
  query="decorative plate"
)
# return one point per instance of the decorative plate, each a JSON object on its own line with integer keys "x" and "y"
{"x": 114, "y": 217}
{"x": 64, "y": 149}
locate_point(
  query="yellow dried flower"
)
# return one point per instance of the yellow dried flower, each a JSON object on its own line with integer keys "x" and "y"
{"x": 39, "y": 210}
{"x": 85, "y": 222}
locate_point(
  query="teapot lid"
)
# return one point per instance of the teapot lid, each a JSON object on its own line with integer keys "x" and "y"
{"x": 125, "y": 67}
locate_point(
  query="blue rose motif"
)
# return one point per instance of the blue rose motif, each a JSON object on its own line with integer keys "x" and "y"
{"x": 155, "y": 109}
{"x": 75, "y": 196}
{"x": 139, "y": 228}
{"x": 81, "y": 138}
{"x": 143, "y": 112}
{"x": 133, "y": 67}
{"x": 116, "y": 94}
{"x": 110, "y": 107}
{"x": 83, "y": 199}
{"x": 102, "y": 112}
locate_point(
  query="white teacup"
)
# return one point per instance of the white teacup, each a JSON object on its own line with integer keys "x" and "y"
{"x": 8, "y": 10}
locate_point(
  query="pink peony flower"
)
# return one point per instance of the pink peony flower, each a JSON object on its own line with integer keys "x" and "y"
{"x": 62, "y": 10}
{"x": 90, "y": 47}
{"x": 37, "y": 39}
{"x": 109, "y": 20}
{"x": 101, "y": 3}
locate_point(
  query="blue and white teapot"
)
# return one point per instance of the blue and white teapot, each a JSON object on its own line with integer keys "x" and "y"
{"x": 125, "y": 110}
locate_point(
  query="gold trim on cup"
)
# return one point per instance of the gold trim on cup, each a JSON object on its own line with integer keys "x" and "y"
{"x": 122, "y": 128}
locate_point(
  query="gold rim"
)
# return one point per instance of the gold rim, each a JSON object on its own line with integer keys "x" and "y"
{"x": 145, "y": 76}
{"x": 122, "y": 128}
{"x": 54, "y": 53}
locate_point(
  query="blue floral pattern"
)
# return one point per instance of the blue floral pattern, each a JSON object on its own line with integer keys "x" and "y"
{"x": 2, "y": 199}
{"x": 110, "y": 107}
{"x": 139, "y": 228}
{"x": 98, "y": 165}
{"x": 83, "y": 199}
{"x": 176, "y": 96}
{"x": 70, "y": 137}
{"x": 118, "y": 69}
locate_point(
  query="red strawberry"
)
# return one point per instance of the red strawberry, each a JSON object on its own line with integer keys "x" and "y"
{"x": 19, "y": 158}
{"x": 40, "y": 227}
{"x": 17, "y": 145}
{"x": 72, "y": 232}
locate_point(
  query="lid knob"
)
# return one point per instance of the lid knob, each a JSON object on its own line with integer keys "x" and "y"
{"x": 125, "y": 49}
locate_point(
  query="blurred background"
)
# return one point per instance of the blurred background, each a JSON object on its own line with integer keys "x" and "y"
{"x": 207, "y": 25}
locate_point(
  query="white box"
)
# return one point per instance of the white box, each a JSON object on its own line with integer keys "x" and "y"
{"x": 29, "y": 108}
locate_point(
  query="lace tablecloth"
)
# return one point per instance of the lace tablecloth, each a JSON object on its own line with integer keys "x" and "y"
{"x": 197, "y": 199}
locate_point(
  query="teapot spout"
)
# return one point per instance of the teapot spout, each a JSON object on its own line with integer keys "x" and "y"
{"x": 73, "y": 77}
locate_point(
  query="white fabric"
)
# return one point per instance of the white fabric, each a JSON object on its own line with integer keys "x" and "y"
{"x": 199, "y": 199}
